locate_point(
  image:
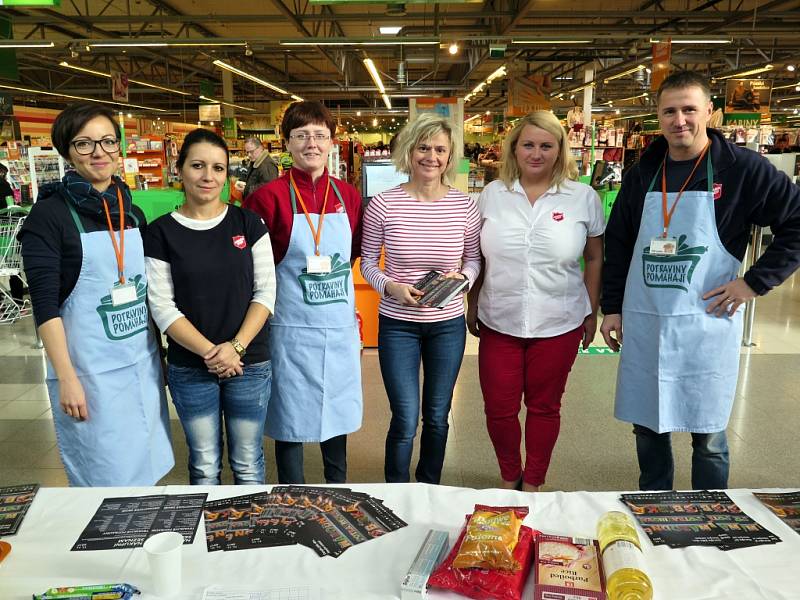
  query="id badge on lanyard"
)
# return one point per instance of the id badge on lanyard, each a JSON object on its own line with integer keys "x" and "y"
{"x": 318, "y": 264}
{"x": 122, "y": 292}
{"x": 664, "y": 246}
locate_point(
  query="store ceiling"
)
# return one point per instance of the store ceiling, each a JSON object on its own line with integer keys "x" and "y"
{"x": 563, "y": 39}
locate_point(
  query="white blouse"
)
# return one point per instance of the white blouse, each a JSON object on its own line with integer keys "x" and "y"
{"x": 533, "y": 285}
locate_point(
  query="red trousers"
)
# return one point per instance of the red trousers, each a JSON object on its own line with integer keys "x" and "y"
{"x": 536, "y": 368}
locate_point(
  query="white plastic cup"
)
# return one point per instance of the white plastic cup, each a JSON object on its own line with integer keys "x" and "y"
{"x": 164, "y": 555}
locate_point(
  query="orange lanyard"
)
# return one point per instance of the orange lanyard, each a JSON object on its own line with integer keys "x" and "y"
{"x": 668, "y": 214}
{"x": 316, "y": 232}
{"x": 119, "y": 250}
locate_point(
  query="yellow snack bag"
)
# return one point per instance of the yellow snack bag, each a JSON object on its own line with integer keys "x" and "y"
{"x": 492, "y": 534}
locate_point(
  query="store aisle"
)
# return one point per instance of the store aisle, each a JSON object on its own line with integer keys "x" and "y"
{"x": 594, "y": 452}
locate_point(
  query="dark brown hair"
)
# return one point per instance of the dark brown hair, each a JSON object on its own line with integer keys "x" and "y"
{"x": 73, "y": 118}
{"x": 305, "y": 113}
{"x": 684, "y": 79}
{"x": 199, "y": 136}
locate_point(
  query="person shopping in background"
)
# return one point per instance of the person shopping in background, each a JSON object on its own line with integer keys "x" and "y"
{"x": 212, "y": 287}
{"x": 314, "y": 222}
{"x": 532, "y": 306}
{"x": 421, "y": 225}
{"x": 84, "y": 263}
{"x": 262, "y": 168}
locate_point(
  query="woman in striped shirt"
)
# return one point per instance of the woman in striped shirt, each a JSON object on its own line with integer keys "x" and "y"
{"x": 423, "y": 225}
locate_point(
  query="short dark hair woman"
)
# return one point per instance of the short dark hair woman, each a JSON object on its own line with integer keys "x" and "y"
{"x": 83, "y": 257}
{"x": 212, "y": 287}
{"x": 314, "y": 222}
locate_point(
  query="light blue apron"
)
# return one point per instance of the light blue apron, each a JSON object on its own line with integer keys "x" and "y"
{"x": 316, "y": 364}
{"x": 679, "y": 365}
{"x": 126, "y": 440}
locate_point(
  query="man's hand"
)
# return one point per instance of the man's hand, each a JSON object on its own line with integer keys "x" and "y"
{"x": 729, "y": 297}
{"x": 240, "y": 185}
{"x": 589, "y": 329}
{"x": 72, "y": 398}
{"x": 612, "y": 324}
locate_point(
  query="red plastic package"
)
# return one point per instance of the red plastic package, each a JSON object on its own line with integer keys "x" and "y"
{"x": 483, "y": 584}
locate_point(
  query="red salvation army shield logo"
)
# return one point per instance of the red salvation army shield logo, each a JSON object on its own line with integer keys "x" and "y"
{"x": 239, "y": 242}
{"x": 717, "y": 191}
{"x": 558, "y": 216}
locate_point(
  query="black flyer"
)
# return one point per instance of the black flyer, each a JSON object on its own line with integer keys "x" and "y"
{"x": 128, "y": 522}
{"x": 786, "y": 506}
{"x": 14, "y": 503}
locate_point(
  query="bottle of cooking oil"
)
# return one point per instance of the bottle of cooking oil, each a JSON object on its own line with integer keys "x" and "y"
{"x": 622, "y": 558}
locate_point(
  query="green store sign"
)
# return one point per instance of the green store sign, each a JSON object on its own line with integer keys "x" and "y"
{"x": 743, "y": 119}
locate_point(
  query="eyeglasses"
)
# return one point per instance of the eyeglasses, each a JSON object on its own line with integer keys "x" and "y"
{"x": 304, "y": 137}
{"x": 85, "y": 147}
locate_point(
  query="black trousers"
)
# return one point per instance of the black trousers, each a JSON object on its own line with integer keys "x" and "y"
{"x": 289, "y": 457}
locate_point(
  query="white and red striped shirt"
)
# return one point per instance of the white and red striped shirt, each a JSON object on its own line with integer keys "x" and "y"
{"x": 418, "y": 237}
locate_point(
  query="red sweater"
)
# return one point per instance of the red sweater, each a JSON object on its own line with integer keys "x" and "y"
{"x": 272, "y": 202}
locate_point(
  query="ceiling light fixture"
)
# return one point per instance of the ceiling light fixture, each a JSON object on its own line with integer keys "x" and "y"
{"x": 22, "y": 44}
{"x": 32, "y": 91}
{"x": 227, "y": 103}
{"x": 453, "y": 48}
{"x": 499, "y": 72}
{"x": 635, "y": 69}
{"x": 253, "y": 78}
{"x": 548, "y": 42}
{"x": 361, "y": 42}
{"x": 785, "y": 87}
{"x": 753, "y": 71}
{"x": 65, "y": 64}
{"x": 376, "y": 78}
{"x": 390, "y": 29}
{"x": 174, "y": 43}
{"x": 688, "y": 39}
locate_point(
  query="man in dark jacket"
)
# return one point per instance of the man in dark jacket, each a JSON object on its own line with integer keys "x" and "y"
{"x": 674, "y": 243}
{"x": 262, "y": 168}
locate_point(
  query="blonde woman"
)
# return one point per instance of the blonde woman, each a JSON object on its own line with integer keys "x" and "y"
{"x": 532, "y": 306}
{"x": 422, "y": 225}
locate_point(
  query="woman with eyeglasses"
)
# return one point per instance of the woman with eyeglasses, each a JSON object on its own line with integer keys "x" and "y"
{"x": 314, "y": 221}
{"x": 83, "y": 258}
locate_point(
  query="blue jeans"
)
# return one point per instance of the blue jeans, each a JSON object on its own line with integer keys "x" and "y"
{"x": 710, "y": 461}
{"x": 203, "y": 401}
{"x": 401, "y": 346}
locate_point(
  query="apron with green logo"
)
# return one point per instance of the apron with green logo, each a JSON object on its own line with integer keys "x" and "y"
{"x": 679, "y": 365}
{"x": 315, "y": 348}
{"x": 126, "y": 440}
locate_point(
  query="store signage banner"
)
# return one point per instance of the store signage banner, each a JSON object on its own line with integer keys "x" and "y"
{"x": 743, "y": 119}
{"x": 209, "y": 112}
{"x": 444, "y": 107}
{"x": 527, "y": 93}
{"x": 662, "y": 54}
{"x": 8, "y": 56}
{"x": 748, "y": 95}
{"x": 229, "y": 128}
{"x": 6, "y": 105}
{"x": 30, "y": 2}
{"x": 119, "y": 86}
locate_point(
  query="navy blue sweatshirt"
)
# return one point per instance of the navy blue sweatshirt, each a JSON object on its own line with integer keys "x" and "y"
{"x": 753, "y": 192}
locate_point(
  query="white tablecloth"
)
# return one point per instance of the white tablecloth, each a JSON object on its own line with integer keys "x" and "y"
{"x": 41, "y": 556}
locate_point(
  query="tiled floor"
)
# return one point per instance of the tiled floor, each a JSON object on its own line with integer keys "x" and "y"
{"x": 594, "y": 451}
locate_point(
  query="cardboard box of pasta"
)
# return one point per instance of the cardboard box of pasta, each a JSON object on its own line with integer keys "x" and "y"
{"x": 567, "y": 568}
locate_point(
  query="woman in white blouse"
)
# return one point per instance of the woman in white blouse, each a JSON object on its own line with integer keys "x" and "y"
{"x": 532, "y": 306}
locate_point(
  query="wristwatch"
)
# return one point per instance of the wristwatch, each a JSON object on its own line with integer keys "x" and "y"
{"x": 237, "y": 345}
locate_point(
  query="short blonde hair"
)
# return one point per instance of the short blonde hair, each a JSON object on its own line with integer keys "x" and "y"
{"x": 422, "y": 129}
{"x": 565, "y": 167}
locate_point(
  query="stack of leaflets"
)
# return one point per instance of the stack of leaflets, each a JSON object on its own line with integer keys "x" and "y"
{"x": 701, "y": 518}
{"x": 786, "y": 506}
{"x": 439, "y": 290}
{"x": 327, "y": 520}
{"x": 128, "y": 522}
{"x": 14, "y": 503}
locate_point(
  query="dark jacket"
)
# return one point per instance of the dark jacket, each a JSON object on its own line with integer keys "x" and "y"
{"x": 753, "y": 192}
{"x": 262, "y": 171}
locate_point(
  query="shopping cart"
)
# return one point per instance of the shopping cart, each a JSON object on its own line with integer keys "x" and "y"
{"x": 11, "y": 220}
